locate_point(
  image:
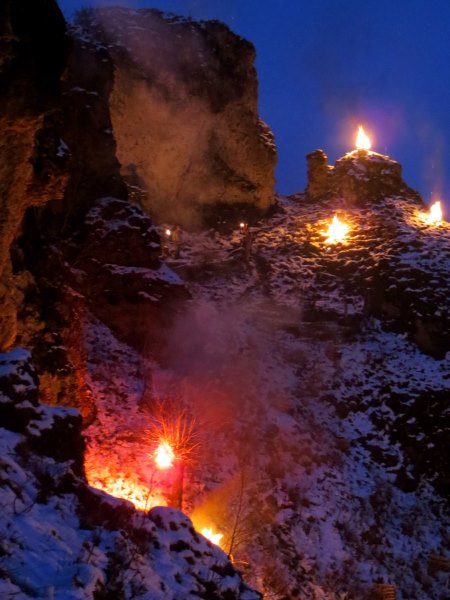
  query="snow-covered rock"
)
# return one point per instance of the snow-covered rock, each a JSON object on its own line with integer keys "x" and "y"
{"x": 61, "y": 539}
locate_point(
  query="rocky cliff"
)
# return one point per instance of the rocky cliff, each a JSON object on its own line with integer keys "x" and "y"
{"x": 321, "y": 368}
{"x": 312, "y": 374}
{"x": 153, "y": 112}
{"x": 183, "y": 106}
{"x": 33, "y": 50}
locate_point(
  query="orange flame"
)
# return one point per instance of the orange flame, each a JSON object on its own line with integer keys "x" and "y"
{"x": 362, "y": 141}
{"x": 211, "y": 536}
{"x": 126, "y": 489}
{"x": 111, "y": 479}
{"x": 434, "y": 217}
{"x": 164, "y": 456}
{"x": 337, "y": 231}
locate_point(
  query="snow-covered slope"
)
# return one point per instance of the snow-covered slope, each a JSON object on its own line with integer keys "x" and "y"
{"x": 323, "y": 427}
{"x": 61, "y": 540}
{"x": 317, "y": 378}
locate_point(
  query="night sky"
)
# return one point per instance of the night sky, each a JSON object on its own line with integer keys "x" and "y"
{"x": 325, "y": 66}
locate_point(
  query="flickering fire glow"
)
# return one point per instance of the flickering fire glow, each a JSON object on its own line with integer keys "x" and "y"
{"x": 110, "y": 479}
{"x": 362, "y": 141}
{"x": 242, "y": 225}
{"x": 211, "y": 536}
{"x": 434, "y": 216}
{"x": 168, "y": 233}
{"x": 164, "y": 455}
{"x": 337, "y": 231}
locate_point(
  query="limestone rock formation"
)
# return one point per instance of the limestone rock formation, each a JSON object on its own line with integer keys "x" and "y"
{"x": 129, "y": 105}
{"x": 184, "y": 112}
{"x": 360, "y": 177}
{"x": 51, "y": 432}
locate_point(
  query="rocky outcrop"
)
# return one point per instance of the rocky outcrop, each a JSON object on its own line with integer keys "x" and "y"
{"x": 318, "y": 171}
{"x": 120, "y": 273}
{"x": 46, "y": 431}
{"x": 396, "y": 262}
{"x": 360, "y": 177}
{"x": 184, "y": 112}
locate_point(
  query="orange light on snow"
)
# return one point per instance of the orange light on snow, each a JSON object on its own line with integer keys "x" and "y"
{"x": 211, "y": 536}
{"x": 434, "y": 216}
{"x": 164, "y": 456}
{"x": 337, "y": 231}
{"x": 362, "y": 140}
{"x": 123, "y": 485}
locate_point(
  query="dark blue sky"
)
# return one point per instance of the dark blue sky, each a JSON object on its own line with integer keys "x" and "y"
{"x": 326, "y": 65}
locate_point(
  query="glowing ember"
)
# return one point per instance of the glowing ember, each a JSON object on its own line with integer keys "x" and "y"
{"x": 211, "y": 536}
{"x": 337, "y": 231}
{"x": 168, "y": 233}
{"x": 242, "y": 225}
{"x": 362, "y": 141}
{"x": 434, "y": 217}
{"x": 164, "y": 456}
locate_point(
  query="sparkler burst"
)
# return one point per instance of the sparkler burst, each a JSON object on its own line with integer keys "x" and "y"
{"x": 164, "y": 456}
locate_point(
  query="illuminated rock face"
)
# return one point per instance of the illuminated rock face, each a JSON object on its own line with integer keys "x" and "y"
{"x": 33, "y": 48}
{"x": 184, "y": 113}
{"x": 166, "y": 117}
{"x": 364, "y": 178}
{"x": 38, "y": 309}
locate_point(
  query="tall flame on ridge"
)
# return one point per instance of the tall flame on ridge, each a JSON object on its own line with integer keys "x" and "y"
{"x": 362, "y": 141}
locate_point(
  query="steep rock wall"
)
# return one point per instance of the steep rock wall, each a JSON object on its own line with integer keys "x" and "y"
{"x": 184, "y": 113}
{"x": 128, "y": 105}
{"x": 33, "y": 48}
